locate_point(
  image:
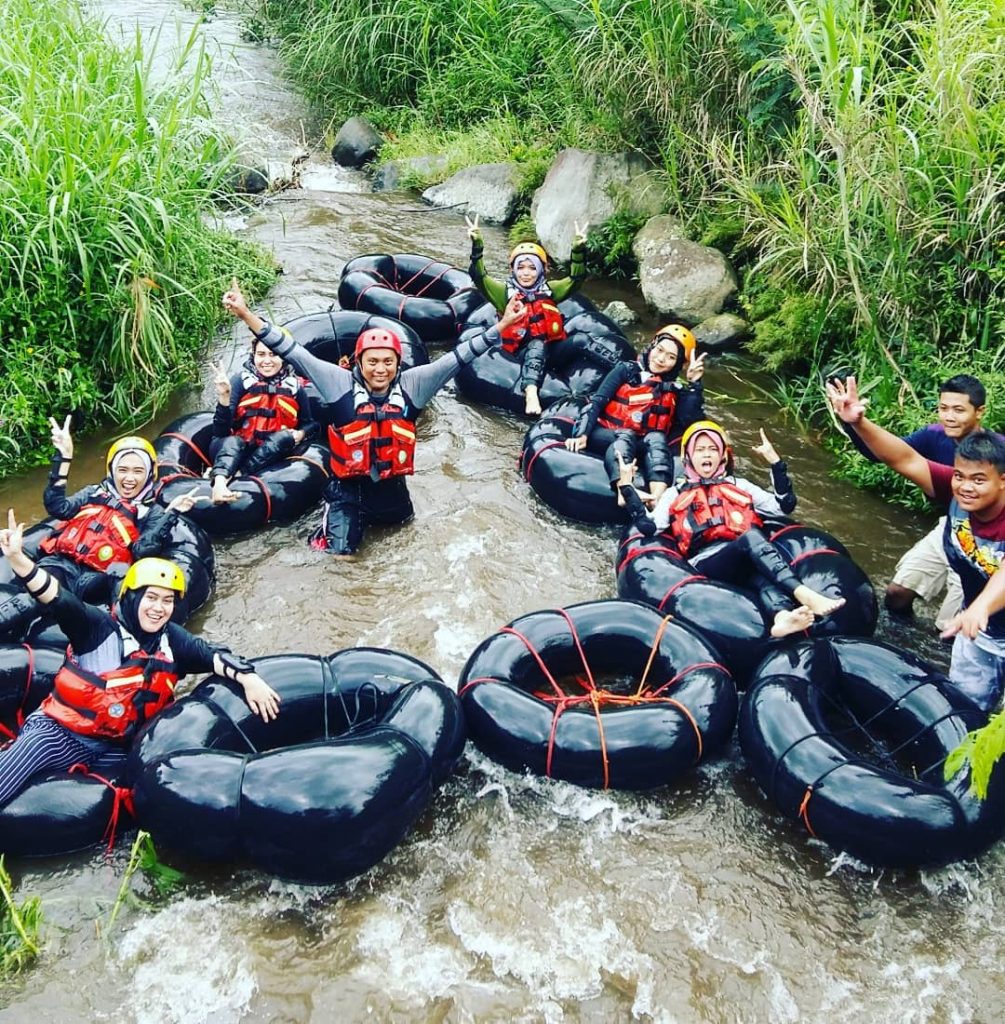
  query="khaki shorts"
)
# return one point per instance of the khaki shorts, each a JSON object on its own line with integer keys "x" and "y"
{"x": 924, "y": 570}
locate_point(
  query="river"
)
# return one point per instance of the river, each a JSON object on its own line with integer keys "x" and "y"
{"x": 515, "y": 899}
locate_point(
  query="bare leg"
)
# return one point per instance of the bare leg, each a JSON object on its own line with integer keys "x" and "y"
{"x": 899, "y": 599}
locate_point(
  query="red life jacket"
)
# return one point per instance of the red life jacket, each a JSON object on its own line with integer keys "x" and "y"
{"x": 702, "y": 513}
{"x": 99, "y": 535}
{"x": 266, "y": 406}
{"x": 641, "y": 407}
{"x": 541, "y": 319}
{"x": 381, "y": 438}
{"x": 112, "y": 705}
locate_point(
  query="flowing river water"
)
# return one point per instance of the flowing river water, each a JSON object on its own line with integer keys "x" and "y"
{"x": 514, "y": 899}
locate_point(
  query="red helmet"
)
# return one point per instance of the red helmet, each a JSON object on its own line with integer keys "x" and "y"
{"x": 378, "y": 337}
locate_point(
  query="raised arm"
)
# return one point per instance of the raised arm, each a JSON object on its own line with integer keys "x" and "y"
{"x": 887, "y": 447}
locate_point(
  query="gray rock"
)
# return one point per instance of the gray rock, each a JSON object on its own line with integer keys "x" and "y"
{"x": 251, "y": 181}
{"x": 579, "y": 187}
{"x": 721, "y": 333}
{"x": 681, "y": 278}
{"x": 489, "y": 190}
{"x": 357, "y": 143}
{"x": 643, "y": 194}
{"x": 620, "y": 313}
{"x": 389, "y": 175}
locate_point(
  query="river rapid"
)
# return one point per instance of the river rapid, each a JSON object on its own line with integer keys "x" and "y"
{"x": 514, "y": 899}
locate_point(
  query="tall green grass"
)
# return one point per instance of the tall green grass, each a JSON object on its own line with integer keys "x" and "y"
{"x": 109, "y": 273}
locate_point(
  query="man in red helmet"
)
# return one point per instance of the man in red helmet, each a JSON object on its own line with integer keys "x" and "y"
{"x": 371, "y": 412}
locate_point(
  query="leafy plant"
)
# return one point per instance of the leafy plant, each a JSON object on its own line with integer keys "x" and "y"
{"x": 982, "y": 749}
{"x": 143, "y": 857}
{"x": 19, "y": 928}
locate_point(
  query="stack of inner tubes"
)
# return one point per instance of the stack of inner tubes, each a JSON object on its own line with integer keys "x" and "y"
{"x": 737, "y": 619}
{"x": 57, "y": 812}
{"x": 574, "y": 368}
{"x": 320, "y": 794}
{"x": 433, "y": 298}
{"x": 188, "y": 546}
{"x": 850, "y": 737}
{"x": 607, "y": 694}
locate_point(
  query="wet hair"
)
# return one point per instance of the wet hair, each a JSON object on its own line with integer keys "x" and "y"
{"x": 964, "y": 384}
{"x": 983, "y": 446}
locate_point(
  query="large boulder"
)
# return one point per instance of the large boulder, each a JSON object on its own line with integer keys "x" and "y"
{"x": 721, "y": 333}
{"x": 489, "y": 190}
{"x": 681, "y": 278}
{"x": 357, "y": 143}
{"x": 390, "y": 174}
{"x": 579, "y": 187}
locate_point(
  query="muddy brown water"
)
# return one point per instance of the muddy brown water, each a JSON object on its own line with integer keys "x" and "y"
{"x": 515, "y": 899}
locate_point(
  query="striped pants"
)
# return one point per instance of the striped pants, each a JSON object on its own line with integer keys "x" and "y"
{"x": 45, "y": 745}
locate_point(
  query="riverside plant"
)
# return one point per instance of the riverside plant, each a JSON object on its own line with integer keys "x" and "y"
{"x": 19, "y": 928}
{"x": 110, "y": 273}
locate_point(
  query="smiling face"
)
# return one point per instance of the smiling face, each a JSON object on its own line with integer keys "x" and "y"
{"x": 267, "y": 363}
{"x": 663, "y": 355}
{"x": 378, "y": 367}
{"x": 525, "y": 272}
{"x": 155, "y": 608}
{"x": 958, "y": 414}
{"x": 129, "y": 475}
{"x": 979, "y": 488}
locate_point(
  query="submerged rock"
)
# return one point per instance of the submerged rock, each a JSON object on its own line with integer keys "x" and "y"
{"x": 489, "y": 190}
{"x": 357, "y": 143}
{"x": 721, "y": 333}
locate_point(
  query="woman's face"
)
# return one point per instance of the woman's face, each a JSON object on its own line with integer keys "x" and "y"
{"x": 705, "y": 456}
{"x": 525, "y": 272}
{"x": 378, "y": 367}
{"x": 267, "y": 363}
{"x": 155, "y": 608}
{"x": 129, "y": 475}
{"x": 663, "y": 355}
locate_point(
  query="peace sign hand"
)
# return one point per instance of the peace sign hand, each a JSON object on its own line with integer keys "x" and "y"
{"x": 61, "y": 439}
{"x": 473, "y": 233}
{"x": 579, "y": 238}
{"x": 11, "y": 538}
{"x": 222, "y": 384}
{"x": 696, "y": 368}
{"x": 186, "y": 502}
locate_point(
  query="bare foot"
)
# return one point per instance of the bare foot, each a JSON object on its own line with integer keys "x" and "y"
{"x": 793, "y": 620}
{"x": 532, "y": 403}
{"x": 221, "y": 493}
{"x": 819, "y": 604}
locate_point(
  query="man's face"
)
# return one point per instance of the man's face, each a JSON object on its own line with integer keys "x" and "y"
{"x": 958, "y": 414}
{"x": 978, "y": 487}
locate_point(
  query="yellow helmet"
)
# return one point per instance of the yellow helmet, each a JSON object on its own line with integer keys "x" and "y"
{"x": 528, "y": 249}
{"x": 709, "y": 426}
{"x": 680, "y": 334}
{"x": 132, "y": 443}
{"x": 153, "y": 572}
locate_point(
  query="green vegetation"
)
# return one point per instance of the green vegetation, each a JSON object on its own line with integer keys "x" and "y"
{"x": 159, "y": 876}
{"x": 109, "y": 274}
{"x": 19, "y": 926}
{"x": 982, "y": 748}
{"x": 846, "y": 155}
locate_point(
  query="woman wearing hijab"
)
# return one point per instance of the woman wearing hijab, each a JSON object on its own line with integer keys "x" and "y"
{"x": 710, "y": 503}
{"x": 103, "y": 527}
{"x": 121, "y": 668}
{"x": 542, "y": 321}
{"x": 640, "y": 405}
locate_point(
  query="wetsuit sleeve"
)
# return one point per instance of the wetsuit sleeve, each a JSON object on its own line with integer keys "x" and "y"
{"x": 689, "y": 409}
{"x": 191, "y": 653}
{"x": 618, "y": 375}
{"x": 224, "y": 416}
{"x": 637, "y": 512}
{"x": 305, "y": 416}
{"x": 565, "y": 286}
{"x": 333, "y": 382}
{"x": 58, "y": 504}
{"x": 155, "y": 531}
{"x": 781, "y": 484}
{"x": 764, "y": 503}
{"x": 493, "y": 290}
{"x": 85, "y": 625}
{"x": 422, "y": 382}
